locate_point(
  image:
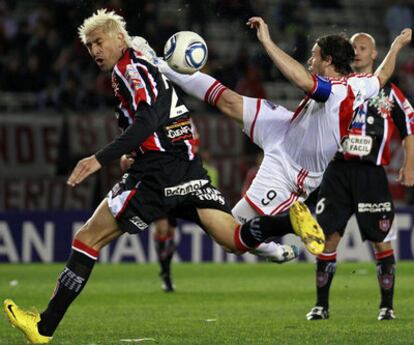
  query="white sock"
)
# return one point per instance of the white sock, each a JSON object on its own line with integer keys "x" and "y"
{"x": 199, "y": 85}
{"x": 268, "y": 250}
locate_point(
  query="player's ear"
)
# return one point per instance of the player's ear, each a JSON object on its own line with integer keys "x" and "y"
{"x": 328, "y": 60}
{"x": 374, "y": 54}
{"x": 120, "y": 39}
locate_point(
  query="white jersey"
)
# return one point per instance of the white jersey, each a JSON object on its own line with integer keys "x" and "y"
{"x": 299, "y": 145}
{"x": 317, "y": 126}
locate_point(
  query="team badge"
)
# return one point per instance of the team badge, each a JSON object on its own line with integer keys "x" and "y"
{"x": 382, "y": 103}
{"x": 384, "y": 224}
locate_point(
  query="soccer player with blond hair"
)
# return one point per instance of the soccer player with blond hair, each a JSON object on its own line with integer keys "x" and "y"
{"x": 166, "y": 178}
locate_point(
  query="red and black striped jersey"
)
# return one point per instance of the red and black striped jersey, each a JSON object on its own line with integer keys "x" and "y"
{"x": 372, "y": 127}
{"x": 151, "y": 115}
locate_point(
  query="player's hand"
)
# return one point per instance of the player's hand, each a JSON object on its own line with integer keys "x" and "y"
{"x": 406, "y": 177}
{"x": 261, "y": 27}
{"x": 125, "y": 162}
{"x": 402, "y": 39}
{"x": 83, "y": 169}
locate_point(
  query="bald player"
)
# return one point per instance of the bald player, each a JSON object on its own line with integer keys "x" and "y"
{"x": 355, "y": 183}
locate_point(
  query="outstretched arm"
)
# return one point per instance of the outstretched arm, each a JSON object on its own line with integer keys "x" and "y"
{"x": 207, "y": 89}
{"x": 386, "y": 69}
{"x": 406, "y": 176}
{"x": 288, "y": 66}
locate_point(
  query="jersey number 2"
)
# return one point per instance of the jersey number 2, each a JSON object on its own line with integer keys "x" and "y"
{"x": 175, "y": 109}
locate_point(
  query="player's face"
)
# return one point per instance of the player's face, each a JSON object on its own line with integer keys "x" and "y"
{"x": 315, "y": 63}
{"x": 105, "y": 49}
{"x": 365, "y": 53}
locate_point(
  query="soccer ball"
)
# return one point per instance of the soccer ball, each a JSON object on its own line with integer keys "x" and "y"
{"x": 186, "y": 52}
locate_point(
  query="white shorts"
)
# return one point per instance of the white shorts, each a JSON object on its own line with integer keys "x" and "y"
{"x": 279, "y": 181}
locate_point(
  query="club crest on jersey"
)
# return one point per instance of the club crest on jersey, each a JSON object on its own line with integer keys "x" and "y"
{"x": 133, "y": 77}
{"x": 382, "y": 103}
{"x": 384, "y": 224}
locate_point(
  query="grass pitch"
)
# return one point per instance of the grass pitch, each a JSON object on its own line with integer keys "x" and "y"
{"x": 215, "y": 304}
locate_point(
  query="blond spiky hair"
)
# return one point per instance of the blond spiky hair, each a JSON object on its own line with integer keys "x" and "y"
{"x": 370, "y": 37}
{"x": 109, "y": 21}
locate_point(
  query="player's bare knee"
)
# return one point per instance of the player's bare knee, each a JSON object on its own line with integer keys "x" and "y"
{"x": 162, "y": 227}
{"x": 90, "y": 236}
{"x": 231, "y": 250}
{"x": 84, "y": 235}
{"x": 331, "y": 242}
{"x": 380, "y": 247}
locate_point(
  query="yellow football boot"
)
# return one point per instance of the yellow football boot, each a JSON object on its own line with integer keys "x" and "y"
{"x": 26, "y": 321}
{"x": 307, "y": 228}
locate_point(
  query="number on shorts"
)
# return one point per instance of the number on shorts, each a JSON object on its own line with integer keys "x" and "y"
{"x": 320, "y": 206}
{"x": 270, "y": 195}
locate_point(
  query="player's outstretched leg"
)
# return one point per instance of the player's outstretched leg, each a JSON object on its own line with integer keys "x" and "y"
{"x": 25, "y": 321}
{"x": 275, "y": 252}
{"x": 307, "y": 228}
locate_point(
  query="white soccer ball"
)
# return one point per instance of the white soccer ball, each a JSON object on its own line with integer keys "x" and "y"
{"x": 186, "y": 52}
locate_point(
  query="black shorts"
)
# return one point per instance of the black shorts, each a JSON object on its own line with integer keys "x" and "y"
{"x": 352, "y": 187}
{"x": 167, "y": 187}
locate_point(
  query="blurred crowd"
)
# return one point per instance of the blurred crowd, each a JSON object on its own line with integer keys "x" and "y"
{"x": 41, "y": 53}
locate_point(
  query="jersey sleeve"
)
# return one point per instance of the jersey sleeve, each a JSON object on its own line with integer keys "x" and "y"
{"x": 371, "y": 85}
{"x": 402, "y": 112}
{"x": 263, "y": 121}
{"x": 132, "y": 137}
{"x": 321, "y": 89}
{"x": 136, "y": 84}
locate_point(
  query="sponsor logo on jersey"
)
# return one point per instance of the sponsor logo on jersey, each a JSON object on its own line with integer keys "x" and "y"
{"x": 374, "y": 208}
{"x": 185, "y": 188}
{"x": 382, "y": 103}
{"x": 210, "y": 194}
{"x": 359, "y": 145}
{"x": 359, "y": 118}
{"x": 179, "y": 131}
{"x": 138, "y": 222}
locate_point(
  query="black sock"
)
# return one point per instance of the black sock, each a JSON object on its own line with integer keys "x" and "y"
{"x": 325, "y": 271}
{"x": 69, "y": 285}
{"x": 259, "y": 229}
{"x": 165, "y": 248}
{"x": 386, "y": 278}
